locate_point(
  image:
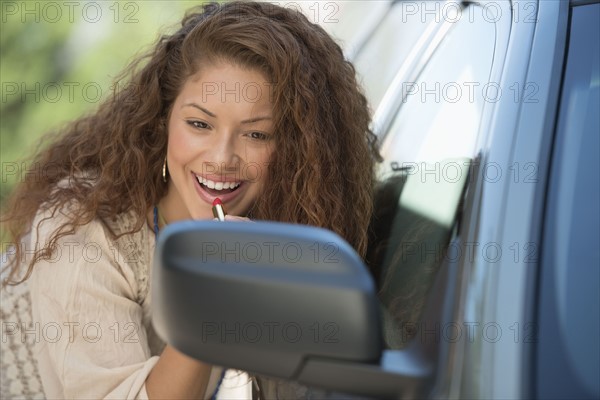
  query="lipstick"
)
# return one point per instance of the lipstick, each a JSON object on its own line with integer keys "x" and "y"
{"x": 218, "y": 210}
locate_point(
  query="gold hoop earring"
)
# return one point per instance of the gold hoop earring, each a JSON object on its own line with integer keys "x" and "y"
{"x": 164, "y": 172}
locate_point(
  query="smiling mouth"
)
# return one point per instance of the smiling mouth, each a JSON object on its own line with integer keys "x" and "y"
{"x": 216, "y": 188}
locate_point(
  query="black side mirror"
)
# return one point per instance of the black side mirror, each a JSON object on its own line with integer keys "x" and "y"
{"x": 264, "y": 297}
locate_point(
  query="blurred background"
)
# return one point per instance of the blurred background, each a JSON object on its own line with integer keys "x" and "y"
{"x": 58, "y": 60}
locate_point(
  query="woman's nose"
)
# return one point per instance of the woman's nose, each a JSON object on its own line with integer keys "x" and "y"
{"x": 223, "y": 150}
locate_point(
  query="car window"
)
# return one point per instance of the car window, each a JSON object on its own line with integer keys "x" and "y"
{"x": 568, "y": 355}
{"x": 348, "y": 21}
{"x": 427, "y": 153}
{"x": 441, "y": 114}
{"x": 386, "y": 50}
{"x": 354, "y": 22}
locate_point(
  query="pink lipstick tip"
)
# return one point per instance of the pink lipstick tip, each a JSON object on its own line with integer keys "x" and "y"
{"x": 217, "y": 201}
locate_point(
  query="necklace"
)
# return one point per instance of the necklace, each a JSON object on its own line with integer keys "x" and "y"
{"x": 159, "y": 220}
{"x": 155, "y": 221}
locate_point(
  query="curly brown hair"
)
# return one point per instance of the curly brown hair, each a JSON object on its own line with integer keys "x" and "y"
{"x": 322, "y": 173}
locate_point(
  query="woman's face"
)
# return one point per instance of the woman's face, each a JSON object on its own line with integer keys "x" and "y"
{"x": 220, "y": 142}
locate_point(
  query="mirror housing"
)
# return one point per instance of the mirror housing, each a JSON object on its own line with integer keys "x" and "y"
{"x": 264, "y": 297}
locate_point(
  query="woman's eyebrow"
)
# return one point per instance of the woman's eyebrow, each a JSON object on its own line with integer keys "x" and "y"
{"x": 204, "y": 110}
{"x": 251, "y": 120}
{"x": 246, "y": 121}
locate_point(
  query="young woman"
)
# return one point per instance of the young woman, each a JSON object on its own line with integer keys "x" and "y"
{"x": 248, "y": 102}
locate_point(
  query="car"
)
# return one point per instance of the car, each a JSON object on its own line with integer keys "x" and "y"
{"x": 482, "y": 278}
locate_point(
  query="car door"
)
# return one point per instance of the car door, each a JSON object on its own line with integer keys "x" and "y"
{"x": 487, "y": 330}
{"x": 432, "y": 143}
{"x": 433, "y": 121}
{"x": 510, "y": 347}
{"x": 566, "y": 360}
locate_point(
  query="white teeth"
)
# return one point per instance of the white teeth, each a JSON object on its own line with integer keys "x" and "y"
{"x": 217, "y": 185}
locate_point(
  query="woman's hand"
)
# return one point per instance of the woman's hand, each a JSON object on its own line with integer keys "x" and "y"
{"x": 237, "y": 219}
{"x": 177, "y": 376}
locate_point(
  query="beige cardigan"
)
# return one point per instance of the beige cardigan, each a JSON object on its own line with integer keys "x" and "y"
{"x": 80, "y": 327}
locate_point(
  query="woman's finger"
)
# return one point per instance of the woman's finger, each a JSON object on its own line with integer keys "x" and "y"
{"x": 236, "y": 218}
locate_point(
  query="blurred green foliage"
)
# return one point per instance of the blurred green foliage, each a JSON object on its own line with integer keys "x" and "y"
{"x": 58, "y": 61}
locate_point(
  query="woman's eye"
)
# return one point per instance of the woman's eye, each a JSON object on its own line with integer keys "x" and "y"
{"x": 259, "y": 136}
{"x": 198, "y": 124}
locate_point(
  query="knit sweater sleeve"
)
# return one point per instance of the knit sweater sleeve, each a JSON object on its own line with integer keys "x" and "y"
{"x": 92, "y": 342}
